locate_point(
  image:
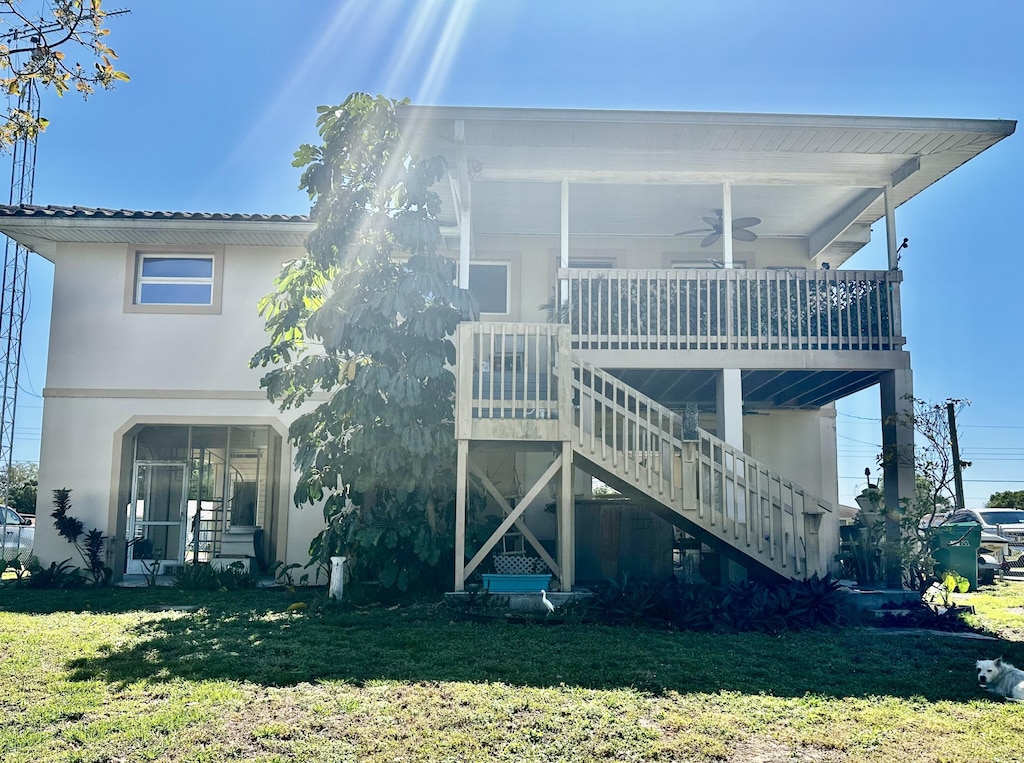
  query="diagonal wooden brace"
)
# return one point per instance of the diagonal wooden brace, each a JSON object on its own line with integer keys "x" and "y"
{"x": 513, "y": 516}
{"x": 520, "y": 525}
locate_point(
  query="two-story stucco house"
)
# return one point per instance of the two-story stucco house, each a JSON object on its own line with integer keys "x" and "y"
{"x": 664, "y": 308}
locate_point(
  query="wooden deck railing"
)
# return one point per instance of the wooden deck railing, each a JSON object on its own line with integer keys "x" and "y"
{"x": 509, "y": 372}
{"x": 733, "y": 309}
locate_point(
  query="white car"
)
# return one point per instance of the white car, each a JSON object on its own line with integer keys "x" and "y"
{"x": 1002, "y": 532}
{"x": 19, "y": 535}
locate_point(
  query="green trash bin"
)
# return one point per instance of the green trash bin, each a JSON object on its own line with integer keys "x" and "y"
{"x": 955, "y": 547}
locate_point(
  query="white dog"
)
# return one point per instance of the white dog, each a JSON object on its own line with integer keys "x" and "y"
{"x": 1001, "y": 678}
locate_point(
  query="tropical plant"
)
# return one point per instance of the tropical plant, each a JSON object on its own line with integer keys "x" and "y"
{"x": 625, "y": 601}
{"x": 751, "y": 605}
{"x": 17, "y": 568}
{"x": 204, "y": 577}
{"x": 90, "y": 545}
{"x": 815, "y": 601}
{"x": 197, "y": 577}
{"x": 57, "y": 575}
{"x": 283, "y": 574}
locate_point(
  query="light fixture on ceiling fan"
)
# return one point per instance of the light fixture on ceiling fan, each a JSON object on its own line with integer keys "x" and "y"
{"x": 714, "y": 232}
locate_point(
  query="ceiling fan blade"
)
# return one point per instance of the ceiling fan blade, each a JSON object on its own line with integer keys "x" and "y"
{"x": 714, "y": 222}
{"x": 742, "y": 234}
{"x": 746, "y": 222}
{"x": 710, "y": 239}
{"x": 688, "y": 232}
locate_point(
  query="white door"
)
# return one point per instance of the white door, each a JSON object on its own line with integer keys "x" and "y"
{"x": 157, "y": 516}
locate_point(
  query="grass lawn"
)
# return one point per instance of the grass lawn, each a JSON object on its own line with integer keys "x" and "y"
{"x": 114, "y": 675}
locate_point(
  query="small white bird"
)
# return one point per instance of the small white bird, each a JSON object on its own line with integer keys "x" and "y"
{"x": 547, "y": 604}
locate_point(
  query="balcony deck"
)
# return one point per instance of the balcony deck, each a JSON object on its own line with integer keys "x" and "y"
{"x": 802, "y": 338}
{"x": 727, "y": 309}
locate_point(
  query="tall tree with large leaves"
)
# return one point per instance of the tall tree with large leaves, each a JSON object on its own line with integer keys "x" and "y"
{"x": 360, "y": 339}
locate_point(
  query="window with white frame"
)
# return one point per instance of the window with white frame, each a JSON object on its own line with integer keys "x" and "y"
{"x": 173, "y": 280}
{"x": 489, "y": 283}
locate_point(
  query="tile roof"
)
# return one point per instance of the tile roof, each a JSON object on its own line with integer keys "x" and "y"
{"x": 98, "y": 213}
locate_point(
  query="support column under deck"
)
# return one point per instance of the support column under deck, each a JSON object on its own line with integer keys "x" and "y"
{"x": 729, "y": 406}
{"x": 896, "y": 389}
{"x": 461, "y": 498}
{"x": 566, "y": 521}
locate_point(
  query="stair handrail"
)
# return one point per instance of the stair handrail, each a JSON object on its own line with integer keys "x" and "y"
{"x": 660, "y": 423}
{"x": 716, "y": 484}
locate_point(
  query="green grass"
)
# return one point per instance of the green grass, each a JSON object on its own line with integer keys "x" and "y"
{"x": 110, "y": 676}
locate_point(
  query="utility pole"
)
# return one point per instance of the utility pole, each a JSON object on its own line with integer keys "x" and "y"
{"x": 958, "y": 477}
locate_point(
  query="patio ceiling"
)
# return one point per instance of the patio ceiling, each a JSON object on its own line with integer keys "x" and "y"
{"x": 644, "y": 174}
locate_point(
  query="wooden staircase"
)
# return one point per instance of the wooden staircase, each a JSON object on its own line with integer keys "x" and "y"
{"x": 523, "y": 384}
{"x": 698, "y": 482}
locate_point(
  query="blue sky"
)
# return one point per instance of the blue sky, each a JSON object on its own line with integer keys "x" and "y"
{"x": 223, "y": 92}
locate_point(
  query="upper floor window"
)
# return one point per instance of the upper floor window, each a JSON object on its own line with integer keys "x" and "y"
{"x": 167, "y": 281}
{"x": 489, "y": 283}
{"x": 175, "y": 280}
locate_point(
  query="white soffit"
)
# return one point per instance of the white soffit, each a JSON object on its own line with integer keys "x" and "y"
{"x": 828, "y": 158}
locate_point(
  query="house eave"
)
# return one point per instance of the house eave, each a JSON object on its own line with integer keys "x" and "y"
{"x": 41, "y": 234}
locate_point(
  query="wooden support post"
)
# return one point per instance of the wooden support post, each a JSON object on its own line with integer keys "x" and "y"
{"x": 463, "y": 203}
{"x": 461, "y": 497}
{"x": 727, "y": 259}
{"x": 890, "y": 226}
{"x": 563, "y": 256}
{"x": 688, "y": 466}
{"x": 729, "y": 405}
{"x": 566, "y": 521}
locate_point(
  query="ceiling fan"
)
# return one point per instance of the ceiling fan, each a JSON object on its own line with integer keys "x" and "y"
{"x": 739, "y": 229}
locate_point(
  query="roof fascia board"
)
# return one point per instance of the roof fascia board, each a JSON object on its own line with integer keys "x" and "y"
{"x": 997, "y": 127}
{"x": 39, "y": 225}
{"x": 680, "y": 177}
{"x": 199, "y": 224}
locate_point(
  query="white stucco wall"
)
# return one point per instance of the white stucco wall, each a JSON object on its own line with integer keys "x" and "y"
{"x": 801, "y": 445}
{"x": 109, "y": 369}
{"x": 796, "y": 444}
{"x": 94, "y": 343}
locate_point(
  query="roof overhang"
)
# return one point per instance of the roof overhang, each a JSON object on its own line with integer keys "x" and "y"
{"x": 638, "y": 173}
{"x": 42, "y": 228}
{"x": 630, "y": 174}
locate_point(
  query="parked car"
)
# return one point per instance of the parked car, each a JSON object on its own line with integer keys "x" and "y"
{"x": 1002, "y": 532}
{"x": 19, "y": 535}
